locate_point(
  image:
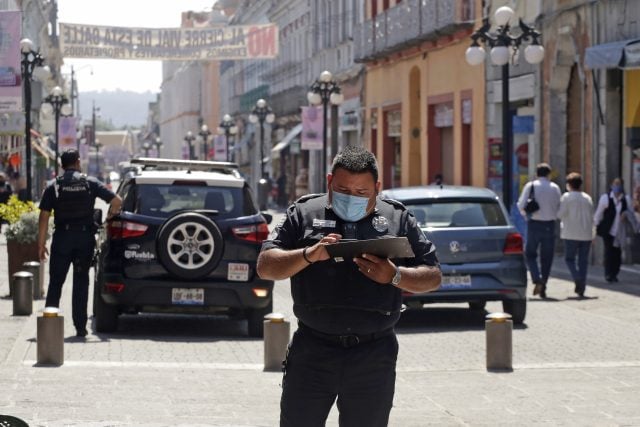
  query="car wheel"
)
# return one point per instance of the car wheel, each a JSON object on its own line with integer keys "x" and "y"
{"x": 477, "y": 305}
{"x": 517, "y": 308}
{"x": 190, "y": 245}
{"x": 255, "y": 320}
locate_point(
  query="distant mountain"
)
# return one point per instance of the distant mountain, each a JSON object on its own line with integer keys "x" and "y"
{"x": 119, "y": 107}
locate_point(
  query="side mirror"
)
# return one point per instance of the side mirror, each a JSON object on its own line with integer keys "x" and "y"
{"x": 267, "y": 216}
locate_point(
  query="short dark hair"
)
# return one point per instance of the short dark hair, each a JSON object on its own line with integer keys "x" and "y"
{"x": 574, "y": 179}
{"x": 543, "y": 170}
{"x": 356, "y": 159}
{"x": 69, "y": 158}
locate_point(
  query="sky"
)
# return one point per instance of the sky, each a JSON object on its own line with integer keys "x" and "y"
{"x": 137, "y": 76}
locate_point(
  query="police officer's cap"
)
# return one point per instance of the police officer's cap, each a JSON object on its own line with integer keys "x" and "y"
{"x": 69, "y": 157}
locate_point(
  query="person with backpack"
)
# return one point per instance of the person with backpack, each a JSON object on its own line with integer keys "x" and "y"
{"x": 613, "y": 209}
{"x": 72, "y": 197}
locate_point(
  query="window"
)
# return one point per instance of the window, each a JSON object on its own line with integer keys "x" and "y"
{"x": 483, "y": 213}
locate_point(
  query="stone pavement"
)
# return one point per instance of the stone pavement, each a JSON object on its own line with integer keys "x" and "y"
{"x": 576, "y": 362}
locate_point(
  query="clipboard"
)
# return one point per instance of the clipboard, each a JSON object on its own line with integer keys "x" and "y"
{"x": 386, "y": 247}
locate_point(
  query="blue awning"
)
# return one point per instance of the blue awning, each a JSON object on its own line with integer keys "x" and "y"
{"x": 620, "y": 54}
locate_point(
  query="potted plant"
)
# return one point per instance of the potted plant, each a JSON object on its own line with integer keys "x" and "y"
{"x": 21, "y": 234}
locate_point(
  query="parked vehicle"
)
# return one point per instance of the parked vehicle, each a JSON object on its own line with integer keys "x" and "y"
{"x": 480, "y": 251}
{"x": 187, "y": 241}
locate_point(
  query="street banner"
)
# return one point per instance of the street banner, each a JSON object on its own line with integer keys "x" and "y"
{"x": 12, "y": 123}
{"x": 67, "y": 133}
{"x": 220, "y": 148}
{"x": 312, "y": 128}
{"x": 10, "y": 73}
{"x": 166, "y": 44}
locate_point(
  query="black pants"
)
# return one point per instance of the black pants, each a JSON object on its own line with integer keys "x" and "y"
{"x": 612, "y": 258}
{"x": 71, "y": 247}
{"x": 362, "y": 378}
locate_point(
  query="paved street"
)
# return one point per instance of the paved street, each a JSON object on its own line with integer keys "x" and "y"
{"x": 576, "y": 362}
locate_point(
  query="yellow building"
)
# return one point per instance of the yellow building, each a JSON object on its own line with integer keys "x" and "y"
{"x": 424, "y": 105}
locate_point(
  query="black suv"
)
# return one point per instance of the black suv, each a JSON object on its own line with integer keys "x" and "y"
{"x": 186, "y": 241}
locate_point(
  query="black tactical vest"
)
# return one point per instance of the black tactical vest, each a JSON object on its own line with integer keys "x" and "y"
{"x": 331, "y": 284}
{"x": 74, "y": 201}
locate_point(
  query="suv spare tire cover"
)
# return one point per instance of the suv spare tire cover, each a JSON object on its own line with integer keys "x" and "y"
{"x": 190, "y": 245}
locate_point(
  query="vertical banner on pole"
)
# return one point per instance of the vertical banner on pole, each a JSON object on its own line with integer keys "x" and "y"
{"x": 10, "y": 74}
{"x": 67, "y": 134}
{"x": 311, "y": 128}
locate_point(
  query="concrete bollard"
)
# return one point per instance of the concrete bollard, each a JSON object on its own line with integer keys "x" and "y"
{"x": 50, "y": 337}
{"x": 498, "y": 327}
{"x": 276, "y": 340}
{"x": 22, "y": 293}
{"x": 33, "y": 267}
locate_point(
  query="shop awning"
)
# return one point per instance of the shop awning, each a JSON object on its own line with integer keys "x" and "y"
{"x": 275, "y": 151}
{"x": 620, "y": 54}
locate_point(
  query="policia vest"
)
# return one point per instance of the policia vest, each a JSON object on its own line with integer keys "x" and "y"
{"x": 332, "y": 284}
{"x": 74, "y": 200}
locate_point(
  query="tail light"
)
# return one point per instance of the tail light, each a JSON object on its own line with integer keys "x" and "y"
{"x": 252, "y": 233}
{"x": 513, "y": 244}
{"x": 125, "y": 229}
{"x": 114, "y": 288}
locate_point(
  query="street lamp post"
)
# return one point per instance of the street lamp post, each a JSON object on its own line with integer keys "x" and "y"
{"x": 56, "y": 103}
{"x": 158, "y": 144}
{"x": 325, "y": 91}
{"x": 259, "y": 114}
{"x": 501, "y": 43}
{"x": 227, "y": 128}
{"x": 31, "y": 65}
{"x": 146, "y": 147}
{"x": 189, "y": 137}
{"x": 204, "y": 134}
{"x": 94, "y": 110}
{"x": 98, "y": 145}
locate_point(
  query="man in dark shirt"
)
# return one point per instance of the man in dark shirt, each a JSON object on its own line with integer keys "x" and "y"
{"x": 72, "y": 197}
{"x": 345, "y": 345}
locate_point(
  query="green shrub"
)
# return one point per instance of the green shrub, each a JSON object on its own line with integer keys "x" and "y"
{"x": 25, "y": 229}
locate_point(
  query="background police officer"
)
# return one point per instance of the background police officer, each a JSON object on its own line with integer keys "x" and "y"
{"x": 72, "y": 197}
{"x": 345, "y": 345}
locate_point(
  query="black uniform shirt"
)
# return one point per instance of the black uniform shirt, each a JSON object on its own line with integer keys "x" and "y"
{"x": 332, "y": 296}
{"x": 96, "y": 188}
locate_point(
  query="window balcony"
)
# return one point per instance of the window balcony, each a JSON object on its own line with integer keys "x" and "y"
{"x": 410, "y": 23}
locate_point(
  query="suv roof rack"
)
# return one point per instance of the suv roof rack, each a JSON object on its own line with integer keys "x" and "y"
{"x": 199, "y": 165}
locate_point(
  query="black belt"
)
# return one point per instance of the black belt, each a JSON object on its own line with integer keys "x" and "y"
{"x": 345, "y": 341}
{"x": 73, "y": 227}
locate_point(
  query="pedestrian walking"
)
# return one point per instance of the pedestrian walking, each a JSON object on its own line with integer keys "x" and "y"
{"x": 345, "y": 346}
{"x": 576, "y": 229}
{"x": 72, "y": 197}
{"x": 611, "y": 216}
{"x": 539, "y": 202}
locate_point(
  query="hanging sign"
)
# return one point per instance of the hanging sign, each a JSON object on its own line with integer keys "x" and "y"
{"x": 166, "y": 44}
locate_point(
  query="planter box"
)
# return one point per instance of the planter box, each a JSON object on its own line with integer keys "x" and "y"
{"x": 18, "y": 254}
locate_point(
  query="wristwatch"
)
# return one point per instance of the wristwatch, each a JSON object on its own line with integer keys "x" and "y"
{"x": 396, "y": 278}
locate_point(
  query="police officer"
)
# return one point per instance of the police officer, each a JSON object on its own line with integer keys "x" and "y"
{"x": 345, "y": 345}
{"x": 72, "y": 197}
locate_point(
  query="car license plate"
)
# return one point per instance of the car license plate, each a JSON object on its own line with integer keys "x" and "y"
{"x": 184, "y": 296}
{"x": 238, "y": 272}
{"x": 456, "y": 281}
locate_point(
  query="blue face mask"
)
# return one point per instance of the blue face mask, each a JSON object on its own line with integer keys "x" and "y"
{"x": 349, "y": 208}
{"x": 616, "y": 189}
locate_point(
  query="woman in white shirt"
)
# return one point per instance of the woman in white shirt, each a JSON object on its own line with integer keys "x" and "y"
{"x": 608, "y": 218}
{"x": 576, "y": 229}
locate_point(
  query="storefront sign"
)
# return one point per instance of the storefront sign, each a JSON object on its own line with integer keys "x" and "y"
{"x": 394, "y": 123}
{"x": 444, "y": 115}
{"x": 466, "y": 111}
{"x": 166, "y": 44}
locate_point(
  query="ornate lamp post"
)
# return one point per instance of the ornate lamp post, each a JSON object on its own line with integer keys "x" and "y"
{"x": 158, "y": 144}
{"x": 56, "y": 103}
{"x": 189, "y": 137}
{"x": 204, "y": 134}
{"x": 501, "y": 43}
{"x": 98, "y": 145}
{"x": 325, "y": 91}
{"x": 146, "y": 147}
{"x": 31, "y": 65}
{"x": 259, "y": 114}
{"x": 227, "y": 128}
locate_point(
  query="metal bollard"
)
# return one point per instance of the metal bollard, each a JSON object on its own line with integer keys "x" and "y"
{"x": 33, "y": 267}
{"x": 276, "y": 340}
{"x": 50, "y": 337}
{"x": 22, "y": 293}
{"x": 498, "y": 327}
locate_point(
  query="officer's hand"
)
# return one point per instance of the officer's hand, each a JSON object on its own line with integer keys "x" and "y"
{"x": 43, "y": 252}
{"x": 378, "y": 269}
{"x": 318, "y": 252}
